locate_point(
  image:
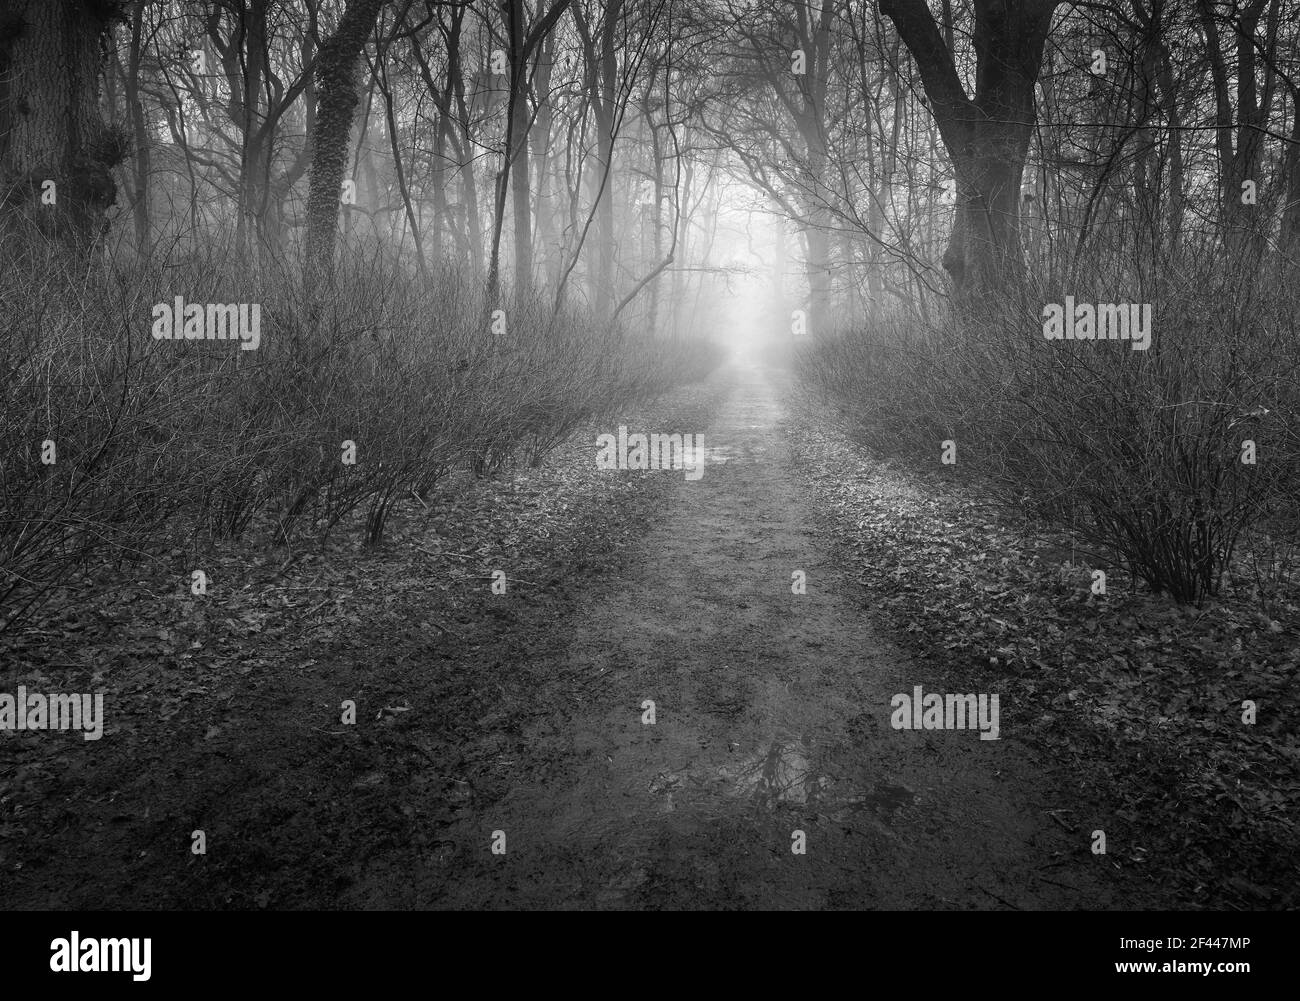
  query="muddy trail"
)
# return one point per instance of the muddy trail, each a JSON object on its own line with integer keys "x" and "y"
{"x": 520, "y": 721}
{"x": 771, "y": 717}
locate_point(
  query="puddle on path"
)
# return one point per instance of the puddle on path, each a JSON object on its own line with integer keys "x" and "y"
{"x": 778, "y": 774}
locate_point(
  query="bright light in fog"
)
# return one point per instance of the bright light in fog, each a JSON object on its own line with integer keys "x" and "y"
{"x": 744, "y": 244}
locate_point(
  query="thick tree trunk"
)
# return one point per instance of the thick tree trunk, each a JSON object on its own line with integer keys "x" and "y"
{"x": 337, "y": 100}
{"x": 50, "y": 128}
{"x": 986, "y": 137}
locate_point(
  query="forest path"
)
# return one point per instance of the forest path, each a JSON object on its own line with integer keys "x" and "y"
{"x": 772, "y": 716}
{"x": 522, "y": 713}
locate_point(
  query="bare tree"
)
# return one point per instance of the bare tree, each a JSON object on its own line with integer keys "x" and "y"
{"x": 987, "y": 135}
{"x": 337, "y": 85}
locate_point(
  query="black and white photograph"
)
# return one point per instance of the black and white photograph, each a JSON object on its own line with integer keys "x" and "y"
{"x": 649, "y": 455}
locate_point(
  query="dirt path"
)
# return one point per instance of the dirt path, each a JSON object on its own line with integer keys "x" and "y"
{"x": 772, "y": 716}
{"x": 523, "y": 714}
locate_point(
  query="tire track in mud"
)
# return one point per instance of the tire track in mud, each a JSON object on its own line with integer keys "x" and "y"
{"x": 772, "y": 716}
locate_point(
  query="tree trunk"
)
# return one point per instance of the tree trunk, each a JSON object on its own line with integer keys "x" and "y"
{"x": 522, "y": 203}
{"x": 1242, "y": 232}
{"x": 819, "y": 198}
{"x": 602, "y": 74}
{"x": 337, "y": 100}
{"x": 1177, "y": 186}
{"x": 605, "y": 151}
{"x": 547, "y": 235}
{"x": 656, "y": 216}
{"x": 140, "y": 135}
{"x": 50, "y": 128}
{"x": 515, "y": 168}
{"x": 469, "y": 183}
{"x": 986, "y": 137}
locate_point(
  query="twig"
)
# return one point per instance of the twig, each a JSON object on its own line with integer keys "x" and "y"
{"x": 1000, "y": 900}
{"x": 287, "y": 564}
{"x": 511, "y": 580}
{"x": 423, "y": 753}
{"x": 1064, "y": 825}
{"x": 318, "y": 607}
{"x": 462, "y": 556}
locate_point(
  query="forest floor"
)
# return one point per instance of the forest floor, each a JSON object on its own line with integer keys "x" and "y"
{"x": 519, "y": 718}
